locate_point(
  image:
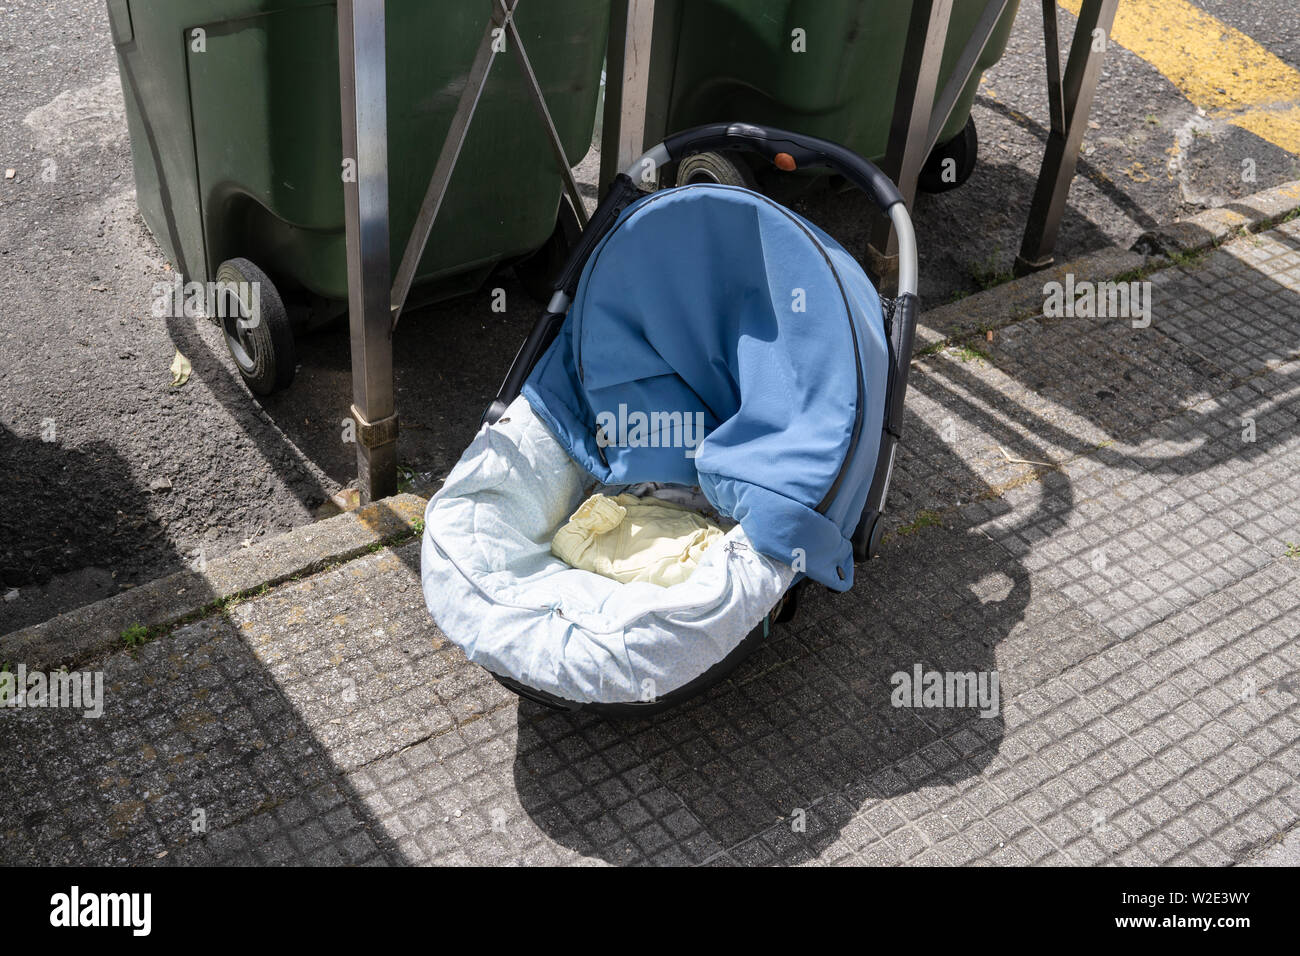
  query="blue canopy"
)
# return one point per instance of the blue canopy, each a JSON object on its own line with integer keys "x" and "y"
{"x": 718, "y": 339}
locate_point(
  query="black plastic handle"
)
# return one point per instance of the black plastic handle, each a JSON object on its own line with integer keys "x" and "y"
{"x": 803, "y": 151}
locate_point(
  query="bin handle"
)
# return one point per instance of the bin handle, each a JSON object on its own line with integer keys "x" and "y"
{"x": 790, "y": 151}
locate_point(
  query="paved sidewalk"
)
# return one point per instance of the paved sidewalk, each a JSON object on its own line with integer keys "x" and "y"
{"x": 1106, "y": 516}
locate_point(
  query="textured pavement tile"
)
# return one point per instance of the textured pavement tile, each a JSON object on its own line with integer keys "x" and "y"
{"x": 1049, "y": 390}
{"x": 1210, "y": 782}
{"x": 191, "y": 723}
{"x": 1158, "y": 529}
{"x": 353, "y": 651}
{"x": 1177, "y": 746}
{"x": 1238, "y": 309}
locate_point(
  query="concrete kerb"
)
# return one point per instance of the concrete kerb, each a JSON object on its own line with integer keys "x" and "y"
{"x": 1215, "y": 226}
{"x": 84, "y": 633}
{"x": 1018, "y": 299}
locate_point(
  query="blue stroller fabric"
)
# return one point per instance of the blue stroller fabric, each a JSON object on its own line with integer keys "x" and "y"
{"x": 718, "y": 339}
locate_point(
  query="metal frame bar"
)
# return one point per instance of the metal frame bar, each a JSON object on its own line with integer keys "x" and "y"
{"x": 539, "y": 101}
{"x": 963, "y": 70}
{"x": 374, "y": 307}
{"x": 919, "y": 118}
{"x": 475, "y": 83}
{"x": 1052, "y": 47}
{"x": 503, "y": 18}
{"x": 363, "y": 87}
{"x": 1071, "y": 102}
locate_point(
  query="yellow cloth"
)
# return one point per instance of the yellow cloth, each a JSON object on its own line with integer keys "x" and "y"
{"x": 635, "y": 539}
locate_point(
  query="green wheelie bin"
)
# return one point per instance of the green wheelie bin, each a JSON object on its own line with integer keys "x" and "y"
{"x": 233, "y": 108}
{"x": 828, "y": 68}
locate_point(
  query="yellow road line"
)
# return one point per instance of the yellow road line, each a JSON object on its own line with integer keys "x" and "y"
{"x": 1218, "y": 68}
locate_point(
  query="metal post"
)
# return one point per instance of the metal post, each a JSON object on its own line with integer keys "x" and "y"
{"x": 627, "y": 85}
{"x": 362, "y": 80}
{"x": 1071, "y": 101}
{"x": 918, "y": 79}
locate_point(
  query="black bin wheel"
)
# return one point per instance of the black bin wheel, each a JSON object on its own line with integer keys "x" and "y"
{"x": 538, "y": 271}
{"x": 256, "y": 325}
{"x": 951, "y": 163}
{"x": 714, "y": 168}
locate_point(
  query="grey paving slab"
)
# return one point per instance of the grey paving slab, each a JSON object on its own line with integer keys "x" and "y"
{"x": 1049, "y": 390}
{"x": 1239, "y": 309}
{"x": 1179, "y": 747}
{"x": 805, "y": 732}
{"x": 84, "y": 633}
{"x": 1182, "y": 746}
{"x": 355, "y": 654}
{"x": 339, "y": 689}
{"x": 1139, "y": 530}
{"x": 1167, "y": 467}
{"x": 194, "y": 732}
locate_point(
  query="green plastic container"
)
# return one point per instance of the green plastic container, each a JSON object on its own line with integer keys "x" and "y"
{"x": 722, "y": 60}
{"x": 236, "y": 133}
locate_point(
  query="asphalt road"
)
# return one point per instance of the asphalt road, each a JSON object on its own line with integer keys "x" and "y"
{"x": 110, "y": 476}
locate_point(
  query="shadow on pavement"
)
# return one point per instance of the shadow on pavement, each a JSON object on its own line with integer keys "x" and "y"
{"x": 71, "y": 518}
{"x": 244, "y": 410}
{"x": 199, "y": 759}
{"x": 805, "y": 730}
{"x": 1227, "y": 327}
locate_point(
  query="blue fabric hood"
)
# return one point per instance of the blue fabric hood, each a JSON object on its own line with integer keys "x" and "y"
{"x": 718, "y": 339}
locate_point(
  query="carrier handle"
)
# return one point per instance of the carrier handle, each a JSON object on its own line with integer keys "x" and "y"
{"x": 790, "y": 151}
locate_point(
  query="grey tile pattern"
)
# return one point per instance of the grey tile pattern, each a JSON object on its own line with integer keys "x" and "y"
{"x": 191, "y": 723}
{"x": 1134, "y": 533}
{"x": 1240, "y": 310}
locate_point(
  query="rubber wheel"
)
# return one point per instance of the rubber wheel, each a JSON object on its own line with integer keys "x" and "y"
{"x": 714, "y": 168}
{"x": 962, "y": 150}
{"x": 261, "y": 343}
{"x": 537, "y": 271}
